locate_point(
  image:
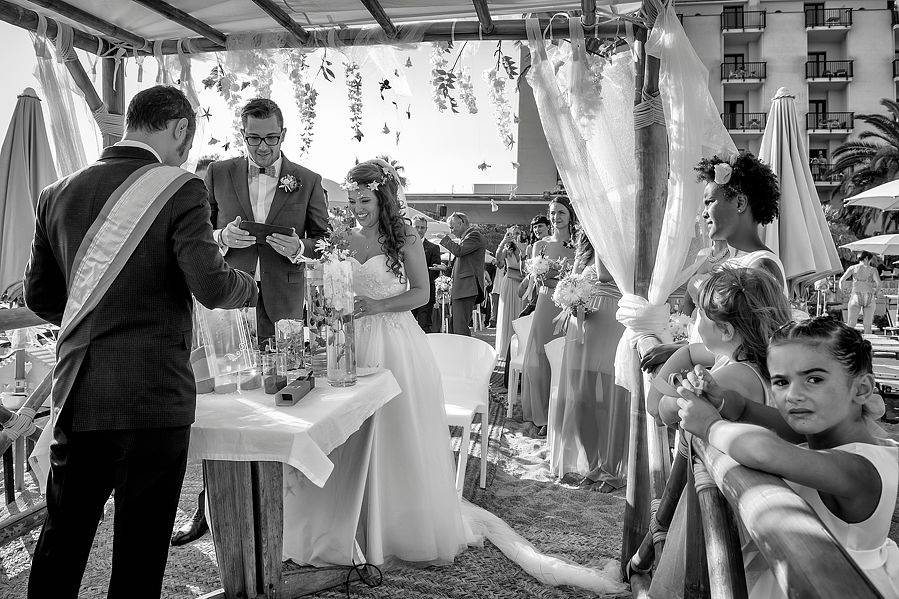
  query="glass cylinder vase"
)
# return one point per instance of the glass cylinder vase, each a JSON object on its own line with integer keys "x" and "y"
{"x": 316, "y": 313}
{"x": 340, "y": 340}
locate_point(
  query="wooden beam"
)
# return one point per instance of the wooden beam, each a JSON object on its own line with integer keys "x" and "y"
{"x": 27, "y": 19}
{"x": 480, "y": 7}
{"x": 377, "y": 12}
{"x": 88, "y": 20}
{"x": 113, "y": 94}
{"x": 283, "y": 19}
{"x": 440, "y": 31}
{"x": 176, "y": 15}
{"x": 787, "y": 532}
{"x": 588, "y": 12}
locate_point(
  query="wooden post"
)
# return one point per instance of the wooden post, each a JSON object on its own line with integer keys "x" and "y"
{"x": 696, "y": 572}
{"x": 113, "y": 93}
{"x": 727, "y": 579}
{"x": 651, "y": 150}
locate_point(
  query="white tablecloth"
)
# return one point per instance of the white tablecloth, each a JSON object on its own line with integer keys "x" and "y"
{"x": 247, "y": 426}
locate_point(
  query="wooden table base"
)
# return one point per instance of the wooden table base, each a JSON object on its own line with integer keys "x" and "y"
{"x": 246, "y": 515}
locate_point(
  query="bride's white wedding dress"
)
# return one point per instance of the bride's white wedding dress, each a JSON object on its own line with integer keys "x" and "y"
{"x": 410, "y": 511}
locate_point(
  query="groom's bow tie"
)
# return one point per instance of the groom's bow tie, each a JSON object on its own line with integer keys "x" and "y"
{"x": 255, "y": 171}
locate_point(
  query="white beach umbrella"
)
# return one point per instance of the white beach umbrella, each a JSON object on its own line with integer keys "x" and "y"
{"x": 800, "y": 235}
{"x": 885, "y": 197}
{"x": 884, "y": 245}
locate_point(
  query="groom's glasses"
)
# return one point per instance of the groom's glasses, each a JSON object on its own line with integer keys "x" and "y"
{"x": 270, "y": 140}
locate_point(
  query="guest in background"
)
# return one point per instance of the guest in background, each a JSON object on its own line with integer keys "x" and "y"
{"x": 203, "y": 165}
{"x": 536, "y": 372}
{"x": 424, "y": 314}
{"x": 509, "y": 260}
{"x": 490, "y": 275}
{"x": 468, "y": 270}
{"x": 540, "y": 228}
{"x": 589, "y": 419}
{"x": 865, "y": 284}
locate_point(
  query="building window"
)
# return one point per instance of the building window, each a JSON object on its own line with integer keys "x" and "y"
{"x": 733, "y": 17}
{"x": 817, "y": 106}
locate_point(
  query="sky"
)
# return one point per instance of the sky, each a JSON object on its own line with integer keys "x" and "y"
{"x": 441, "y": 152}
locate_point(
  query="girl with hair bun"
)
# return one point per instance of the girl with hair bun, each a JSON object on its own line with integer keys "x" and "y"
{"x": 823, "y": 386}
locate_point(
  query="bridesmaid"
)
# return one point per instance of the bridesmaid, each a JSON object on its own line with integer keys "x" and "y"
{"x": 588, "y": 421}
{"x": 509, "y": 258}
{"x": 536, "y": 372}
{"x": 540, "y": 228}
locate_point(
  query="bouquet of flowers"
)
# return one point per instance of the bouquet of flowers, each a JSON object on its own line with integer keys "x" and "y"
{"x": 575, "y": 294}
{"x": 679, "y": 326}
{"x": 335, "y": 247}
{"x": 542, "y": 268}
{"x": 443, "y": 286}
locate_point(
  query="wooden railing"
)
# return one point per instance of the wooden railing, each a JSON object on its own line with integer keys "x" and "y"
{"x": 30, "y": 514}
{"x": 719, "y": 493}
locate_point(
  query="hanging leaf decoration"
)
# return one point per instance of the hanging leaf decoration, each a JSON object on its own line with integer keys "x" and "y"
{"x": 504, "y": 61}
{"x": 213, "y": 141}
{"x": 515, "y": 165}
{"x": 206, "y": 114}
{"x": 409, "y": 111}
{"x": 226, "y": 145}
{"x": 325, "y": 68}
{"x": 305, "y": 95}
{"x": 397, "y": 133}
{"x": 408, "y": 62}
{"x": 386, "y": 129}
{"x": 384, "y": 85}
{"x": 443, "y": 79}
{"x": 354, "y": 95}
{"x": 483, "y": 166}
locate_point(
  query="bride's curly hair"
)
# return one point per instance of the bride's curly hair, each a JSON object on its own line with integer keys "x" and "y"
{"x": 392, "y": 225}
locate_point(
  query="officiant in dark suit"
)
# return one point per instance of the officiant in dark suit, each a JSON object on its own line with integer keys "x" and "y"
{"x": 468, "y": 270}
{"x": 266, "y": 187}
{"x": 425, "y": 314}
{"x": 119, "y": 248}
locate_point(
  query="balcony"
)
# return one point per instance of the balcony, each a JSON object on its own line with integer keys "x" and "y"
{"x": 745, "y": 123}
{"x": 827, "y": 24}
{"x": 743, "y": 73}
{"x": 830, "y": 124}
{"x": 743, "y": 26}
{"x": 820, "y": 176}
{"x": 828, "y": 74}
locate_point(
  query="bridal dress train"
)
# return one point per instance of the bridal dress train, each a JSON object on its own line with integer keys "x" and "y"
{"x": 410, "y": 510}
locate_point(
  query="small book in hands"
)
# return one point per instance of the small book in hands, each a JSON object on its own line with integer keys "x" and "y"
{"x": 261, "y": 230}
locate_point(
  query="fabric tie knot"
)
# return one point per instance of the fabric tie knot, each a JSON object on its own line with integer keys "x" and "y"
{"x": 255, "y": 171}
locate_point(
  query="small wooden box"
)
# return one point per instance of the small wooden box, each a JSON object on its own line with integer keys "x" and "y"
{"x": 295, "y": 391}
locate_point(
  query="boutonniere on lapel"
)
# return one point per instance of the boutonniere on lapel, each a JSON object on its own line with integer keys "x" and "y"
{"x": 289, "y": 184}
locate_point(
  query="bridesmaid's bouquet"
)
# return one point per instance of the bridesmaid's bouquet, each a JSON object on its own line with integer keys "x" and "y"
{"x": 542, "y": 268}
{"x": 443, "y": 286}
{"x": 576, "y": 295}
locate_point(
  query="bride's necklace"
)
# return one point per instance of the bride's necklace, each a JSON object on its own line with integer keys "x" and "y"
{"x": 713, "y": 259}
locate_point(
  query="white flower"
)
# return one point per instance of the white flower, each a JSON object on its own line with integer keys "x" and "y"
{"x": 723, "y": 173}
{"x": 289, "y": 183}
{"x": 349, "y": 185}
{"x": 538, "y": 265}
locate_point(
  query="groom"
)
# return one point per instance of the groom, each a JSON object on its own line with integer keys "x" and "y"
{"x": 119, "y": 248}
{"x": 264, "y": 187}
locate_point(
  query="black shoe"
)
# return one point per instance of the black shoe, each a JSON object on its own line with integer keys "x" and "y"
{"x": 193, "y": 530}
{"x": 890, "y": 417}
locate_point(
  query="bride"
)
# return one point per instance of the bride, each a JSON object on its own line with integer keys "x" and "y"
{"x": 413, "y": 511}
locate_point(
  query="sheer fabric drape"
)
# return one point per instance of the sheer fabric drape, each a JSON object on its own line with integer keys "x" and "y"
{"x": 589, "y": 126}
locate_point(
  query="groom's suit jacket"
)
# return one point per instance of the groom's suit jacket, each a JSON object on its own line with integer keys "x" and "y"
{"x": 132, "y": 351}
{"x": 305, "y": 209}
{"x": 468, "y": 266}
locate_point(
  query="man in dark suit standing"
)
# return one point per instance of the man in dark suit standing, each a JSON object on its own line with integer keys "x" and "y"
{"x": 268, "y": 188}
{"x": 123, "y": 376}
{"x": 424, "y": 314}
{"x": 468, "y": 270}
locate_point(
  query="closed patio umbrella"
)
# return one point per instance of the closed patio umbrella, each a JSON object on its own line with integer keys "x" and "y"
{"x": 800, "y": 235}
{"x": 26, "y": 167}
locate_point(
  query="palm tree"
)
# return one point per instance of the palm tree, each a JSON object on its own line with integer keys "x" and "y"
{"x": 873, "y": 159}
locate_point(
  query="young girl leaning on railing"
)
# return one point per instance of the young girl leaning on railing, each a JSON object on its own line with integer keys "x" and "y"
{"x": 738, "y": 310}
{"x": 823, "y": 387}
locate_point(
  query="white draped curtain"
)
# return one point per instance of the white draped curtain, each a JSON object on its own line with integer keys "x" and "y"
{"x": 586, "y": 108}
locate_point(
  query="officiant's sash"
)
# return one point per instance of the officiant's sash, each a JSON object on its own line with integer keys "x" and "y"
{"x": 108, "y": 244}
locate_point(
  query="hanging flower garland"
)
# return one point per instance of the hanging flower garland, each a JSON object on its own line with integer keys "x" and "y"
{"x": 497, "y": 78}
{"x": 466, "y": 91}
{"x": 305, "y": 95}
{"x": 443, "y": 79}
{"x": 354, "y": 95}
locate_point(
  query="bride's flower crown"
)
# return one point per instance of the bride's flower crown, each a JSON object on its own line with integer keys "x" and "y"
{"x": 349, "y": 184}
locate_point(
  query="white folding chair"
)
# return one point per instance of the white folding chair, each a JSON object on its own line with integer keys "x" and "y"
{"x": 554, "y": 351}
{"x": 466, "y": 365}
{"x": 477, "y": 320}
{"x": 519, "y": 342}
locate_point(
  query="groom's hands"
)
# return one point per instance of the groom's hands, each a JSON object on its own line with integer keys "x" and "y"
{"x": 286, "y": 245}
{"x": 234, "y": 237}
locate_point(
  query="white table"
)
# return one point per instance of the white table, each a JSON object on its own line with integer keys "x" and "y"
{"x": 244, "y": 441}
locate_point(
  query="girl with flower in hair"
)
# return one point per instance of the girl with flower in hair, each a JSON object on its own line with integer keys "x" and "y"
{"x": 536, "y": 373}
{"x": 741, "y": 193}
{"x": 823, "y": 386}
{"x": 588, "y": 419}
